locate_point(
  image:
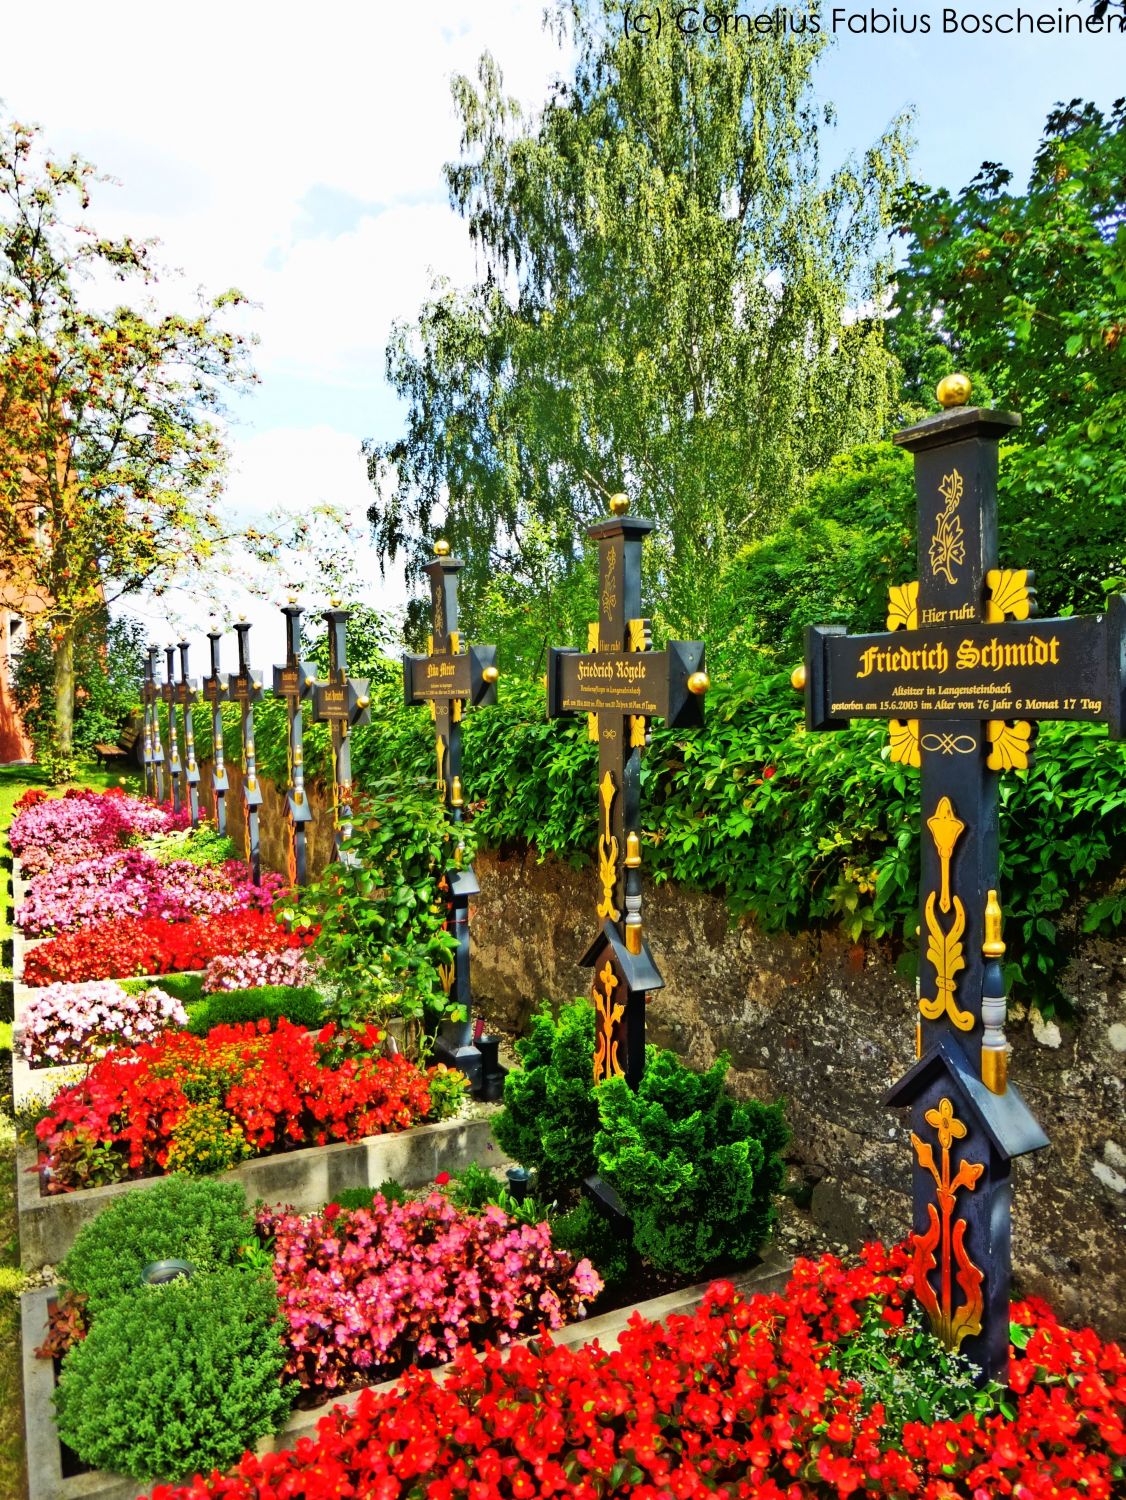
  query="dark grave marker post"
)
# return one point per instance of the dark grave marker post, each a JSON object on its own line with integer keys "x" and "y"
{"x": 153, "y": 752}
{"x": 294, "y": 681}
{"x": 620, "y": 683}
{"x": 447, "y": 679}
{"x": 214, "y": 693}
{"x": 185, "y": 696}
{"x": 962, "y": 677}
{"x": 342, "y": 702}
{"x": 168, "y": 693}
{"x": 244, "y": 687}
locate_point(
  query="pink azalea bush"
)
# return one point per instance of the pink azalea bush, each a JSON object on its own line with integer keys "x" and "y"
{"x": 247, "y": 971}
{"x": 75, "y": 1023}
{"x": 132, "y": 883}
{"x": 84, "y": 823}
{"x": 367, "y": 1289}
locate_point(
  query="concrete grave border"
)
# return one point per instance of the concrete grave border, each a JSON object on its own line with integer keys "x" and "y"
{"x": 44, "y": 1453}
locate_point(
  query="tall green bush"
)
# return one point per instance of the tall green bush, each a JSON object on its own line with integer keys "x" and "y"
{"x": 696, "y": 1170}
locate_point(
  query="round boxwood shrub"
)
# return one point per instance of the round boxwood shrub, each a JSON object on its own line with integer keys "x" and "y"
{"x": 178, "y": 1218}
{"x": 176, "y": 1378}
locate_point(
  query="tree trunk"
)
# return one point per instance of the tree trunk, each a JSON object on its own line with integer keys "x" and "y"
{"x": 63, "y": 757}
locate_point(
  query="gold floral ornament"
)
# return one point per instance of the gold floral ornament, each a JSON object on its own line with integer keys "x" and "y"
{"x": 607, "y": 851}
{"x": 944, "y": 948}
{"x": 606, "y": 1063}
{"x": 947, "y": 1235}
{"x": 903, "y": 606}
{"x": 1010, "y": 744}
{"x": 904, "y": 737}
{"x": 948, "y": 547}
{"x": 1009, "y": 592}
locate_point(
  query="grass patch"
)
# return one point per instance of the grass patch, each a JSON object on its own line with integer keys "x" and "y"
{"x": 187, "y": 988}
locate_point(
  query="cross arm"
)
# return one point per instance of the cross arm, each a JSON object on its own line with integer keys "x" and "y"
{"x": 667, "y": 684}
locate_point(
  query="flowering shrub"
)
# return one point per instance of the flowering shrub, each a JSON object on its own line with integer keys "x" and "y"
{"x": 148, "y": 945}
{"x": 83, "y": 823}
{"x": 249, "y": 971}
{"x": 140, "y": 1111}
{"x": 133, "y": 883}
{"x": 364, "y": 1290}
{"x": 76, "y": 1023}
{"x": 737, "y": 1400}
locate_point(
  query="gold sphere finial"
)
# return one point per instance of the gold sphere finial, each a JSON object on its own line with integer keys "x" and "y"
{"x": 797, "y": 679}
{"x": 490, "y": 674}
{"x": 619, "y": 504}
{"x": 953, "y": 390}
{"x": 699, "y": 683}
{"x": 334, "y": 604}
{"x": 441, "y": 547}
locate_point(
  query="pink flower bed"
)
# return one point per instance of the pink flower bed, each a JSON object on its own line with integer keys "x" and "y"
{"x": 247, "y": 971}
{"x": 131, "y": 883}
{"x": 75, "y": 1023}
{"x": 366, "y": 1290}
{"x": 83, "y": 823}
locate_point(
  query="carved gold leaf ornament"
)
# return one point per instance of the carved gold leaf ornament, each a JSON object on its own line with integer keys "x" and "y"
{"x": 1009, "y": 593}
{"x": 1010, "y": 744}
{"x": 639, "y": 638}
{"x": 948, "y": 547}
{"x": 947, "y": 1235}
{"x": 592, "y": 645}
{"x": 904, "y": 737}
{"x": 446, "y": 977}
{"x": 945, "y": 949}
{"x": 903, "y": 606}
{"x": 441, "y": 749}
{"x": 946, "y": 829}
{"x": 606, "y": 1061}
{"x": 607, "y": 851}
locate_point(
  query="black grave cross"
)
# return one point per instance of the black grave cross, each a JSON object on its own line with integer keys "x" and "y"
{"x": 294, "y": 681}
{"x": 621, "y": 683}
{"x": 215, "y": 694}
{"x": 172, "y": 765}
{"x": 341, "y": 702}
{"x": 153, "y": 752}
{"x": 244, "y": 687}
{"x": 185, "y": 697}
{"x": 962, "y": 677}
{"x": 447, "y": 679}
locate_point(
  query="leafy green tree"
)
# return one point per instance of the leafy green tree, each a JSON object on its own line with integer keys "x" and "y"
{"x": 668, "y": 268}
{"x": 110, "y": 457}
{"x": 1030, "y": 289}
{"x": 108, "y": 665}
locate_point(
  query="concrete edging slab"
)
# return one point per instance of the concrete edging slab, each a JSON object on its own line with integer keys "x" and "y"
{"x": 303, "y": 1179}
{"x": 44, "y": 1455}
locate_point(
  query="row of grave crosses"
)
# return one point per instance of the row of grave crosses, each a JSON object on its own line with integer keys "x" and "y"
{"x": 340, "y": 701}
{"x": 962, "y": 677}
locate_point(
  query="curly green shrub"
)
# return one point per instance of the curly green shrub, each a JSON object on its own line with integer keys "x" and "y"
{"x": 187, "y": 988}
{"x": 302, "y": 1005}
{"x": 550, "y": 1115}
{"x": 696, "y": 1170}
{"x": 178, "y": 1218}
{"x": 176, "y": 1379}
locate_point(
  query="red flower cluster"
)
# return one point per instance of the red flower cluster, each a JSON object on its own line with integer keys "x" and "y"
{"x": 736, "y": 1400}
{"x": 267, "y": 1090}
{"x": 150, "y": 945}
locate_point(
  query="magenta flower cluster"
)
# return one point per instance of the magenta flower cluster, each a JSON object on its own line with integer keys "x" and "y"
{"x": 370, "y": 1289}
{"x": 83, "y": 824}
{"x": 246, "y": 971}
{"x": 131, "y": 883}
{"x": 76, "y": 1023}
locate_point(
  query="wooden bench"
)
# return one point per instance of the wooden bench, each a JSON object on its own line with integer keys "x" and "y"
{"x": 123, "y": 750}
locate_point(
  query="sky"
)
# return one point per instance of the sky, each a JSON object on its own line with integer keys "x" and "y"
{"x": 297, "y": 153}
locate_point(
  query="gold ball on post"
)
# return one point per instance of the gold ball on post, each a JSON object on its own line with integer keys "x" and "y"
{"x": 699, "y": 683}
{"x": 490, "y": 674}
{"x": 953, "y": 390}
{"x": 619, "y": 504}
{"x": 797, "y": 679}
{"x": 441, "y": 547}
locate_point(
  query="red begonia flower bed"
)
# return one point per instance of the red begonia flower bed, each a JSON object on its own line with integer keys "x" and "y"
{"x": 191, "y": 1102}
{"x": 737, "y": 1400}
{"x": 150, "y": 945}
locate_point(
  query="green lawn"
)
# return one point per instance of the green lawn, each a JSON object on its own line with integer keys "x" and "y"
{"x": 15, "y": 780}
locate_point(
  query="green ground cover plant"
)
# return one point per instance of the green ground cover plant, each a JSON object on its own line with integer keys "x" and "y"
{"x": 302, "y": 1005}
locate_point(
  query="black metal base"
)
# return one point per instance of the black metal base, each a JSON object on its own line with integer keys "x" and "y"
{"x": 606, "y": 1201}
{"x": 467, "y": 1059}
